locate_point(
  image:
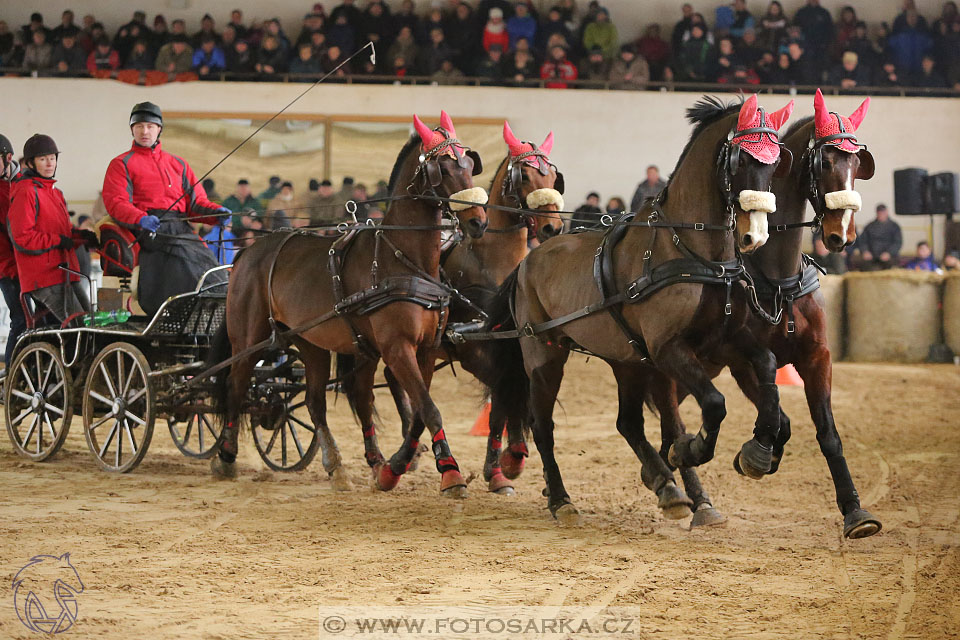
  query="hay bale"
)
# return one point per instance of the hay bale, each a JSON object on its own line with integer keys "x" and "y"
{"x": 892, "y": 316}
{"x": 832, "y": 288}
{"x": 951, "y": 311}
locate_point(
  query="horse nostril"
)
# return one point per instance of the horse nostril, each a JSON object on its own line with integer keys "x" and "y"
{"x": 747, "y": 240}
{"x": 548, "y": 231}
{"x": 835, "y": 239}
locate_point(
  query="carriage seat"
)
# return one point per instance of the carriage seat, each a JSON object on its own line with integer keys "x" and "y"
{"x": 119, "y": 249}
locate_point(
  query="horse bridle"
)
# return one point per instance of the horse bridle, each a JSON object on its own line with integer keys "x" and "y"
{"x": 512, "y": 184}
{"x": 431, "y": 175}
{"x": 728, "y": 161}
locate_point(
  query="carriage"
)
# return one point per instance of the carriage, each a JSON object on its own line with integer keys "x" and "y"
{"x": 122, "y": 377}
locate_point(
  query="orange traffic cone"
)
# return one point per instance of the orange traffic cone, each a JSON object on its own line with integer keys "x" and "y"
{"x": 482, "y": 426}
{"x": 787, "y": 376}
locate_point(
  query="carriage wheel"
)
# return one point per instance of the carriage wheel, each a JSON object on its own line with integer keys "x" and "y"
{"x": 118, "y": 410}
{"x": 37, "y": 397}
{"x": 283, "y": 440}
{"x": 194, "y": 430}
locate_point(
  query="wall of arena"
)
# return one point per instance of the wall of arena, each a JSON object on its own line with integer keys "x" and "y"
{"x": 630, "y": 16}
{"x": 604, "y": 140}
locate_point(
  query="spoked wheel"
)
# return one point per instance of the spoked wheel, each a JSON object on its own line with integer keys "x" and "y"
{"x": 37, "y": 396}
{"x": 194, "y": 429}
{"x": 118, "y": 410}
{"x": 284, "y": 441}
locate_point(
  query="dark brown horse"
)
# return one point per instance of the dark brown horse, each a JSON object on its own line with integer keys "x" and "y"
{"x": 793, "y": 323}
{"x": 529, "y": 188}
{"x": 383, "y": 298}
{"x": 678, "y": 287}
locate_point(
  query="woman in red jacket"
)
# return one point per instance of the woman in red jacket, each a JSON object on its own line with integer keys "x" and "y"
{"x": 42, "y": 234}
{"x": 9, "y": 282}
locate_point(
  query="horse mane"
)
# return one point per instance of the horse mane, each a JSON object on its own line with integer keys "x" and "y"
{"x": 398, "y": 165}
{"x": 703, "y": 113}
{"x": 497, "y": 172}
{"x": 796, "y": 126}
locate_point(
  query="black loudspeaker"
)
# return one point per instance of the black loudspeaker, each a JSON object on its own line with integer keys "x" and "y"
{"x": 943, "y": 193}
{"x": 909, "y": 191}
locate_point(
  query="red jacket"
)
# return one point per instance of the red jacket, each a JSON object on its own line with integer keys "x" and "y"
{"x": 8, "y": 262}
{"x": 38, "y": 218}
{"x": 143, "y": 180}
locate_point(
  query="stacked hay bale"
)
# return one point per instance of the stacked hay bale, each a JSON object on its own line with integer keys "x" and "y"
{"x": 892, "y": 316}
{"x": 832, "y": 288}
{"x": 951, "y": 311}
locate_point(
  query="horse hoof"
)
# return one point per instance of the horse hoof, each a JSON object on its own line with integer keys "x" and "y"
{"x": 452, "y": 485}
{"x": 499, "y": 484}
{"x": 567, "y": 515}
{"x": 706, "y": 516}
{"x": 223, "y": 470}
{"x": 384, "y": 477}
{"x": 753, "y": 460}
{"x": 860, "y": 524}
{"x": 512, "y": 460}
{"x": 415, "y": 462}
{"x": 679, "y": 454}
{"x": 674, "y": 502}
{"x": 340, "y": 480}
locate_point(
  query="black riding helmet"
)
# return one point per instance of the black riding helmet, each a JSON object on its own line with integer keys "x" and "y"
{"x": 5, "y": 146}
{"x": 146, "y": 112}
{"x": 39, "y": 145}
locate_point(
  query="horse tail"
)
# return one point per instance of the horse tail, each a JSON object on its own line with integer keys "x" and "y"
{"x": 220, "y": 350}
{"x": 509, "y": 383}
{"x": 346, "y": 370}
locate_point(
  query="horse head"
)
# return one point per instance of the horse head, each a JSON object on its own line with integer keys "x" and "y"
{"x": 746, "y": 177}
{"x": 447, "y": 168}
{"x": 833, "y": 162}
{"x": 534, "y": 182}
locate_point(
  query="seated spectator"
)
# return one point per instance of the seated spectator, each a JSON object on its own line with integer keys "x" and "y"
{"x": 333, "y": 58}
{"x": 655, "y": 50}
{"x": 312, "y": 23}
{"x": 697, "y": 19}
{"x": 903, "y": 19}
{"x": 558, "y": 69}
{"x": 222, "y": 241}
{"x": 929, "y": 77}
{"x": 524, "y": 45}
{"x": 727, "y": 58}
{"x": 273, "y": 188}
{"x": 433, "y": 55}
{"x": 588, "y": 214}
{"x": 805, "y": 66}
{"x": 463, "y": 35}
{"x": 951, "y": 261}
{"x": 140, "y": 58}
{"x": 747, "y": 49}
{"x": 867, "y": 52}
{"x": 228, "y": 38}
{"x": 306, "y": 62}
{"x": 773, "y": 27}
{"x": 273, "y": 28}
{"x": 850, "y": 74}
{"x": 887, "y": 75}
{"x": 522, "y": 67}
{"x": 615, "y": 207}
{"x": 175, "y": 56}
{"x": 697, "y": 59}
{"x": 103, "y": 57}
{"x": 447, "y": 73}
{"x": 923, "y": 261}
{"x": 907, "y": 46}
{"x": 648, "y": 189}
{"x": 401, "y": 68}
{"x": 127, "y": 36}
{"x": 878, "y": 245}
{"x": 742, "y": 19}
{"x": 236, "y": 22}
{"x": 38, "y": 55}
{"x": 594, "y": 66}
{"x": 629, "y": 71}
{"x": 682, "y": 27}
{"x": 318, "y": 42}
{"x": 816, "y": 24}
{"x": 492, "y": 65}
{"x": 178, "y": 28}
{"x": 521, "y": 25}
{"x": 406, "y": 17}
{"x": 282, "y": 208}
{"x": 347, "y": 10}
{"x": 241, "y": 200}
{"x": 404, "y": 46}
{"x": 240, "y": 59}
{"x": 206, "y": 30}
{"x": 846, "y": 29}
{"x": 15, "y": 57}
{"x": 766, "y": 67}
{"x": 161, "y": 33}
{"x": 495, "y": 31}
{"x": 376, "y": 24}
{"x": 833, "y": 263}
{"x": 602, "y": 33}
{"x": 341, "y": 33}
{"x": 951, "y": 245}
{"x": 270, "y": 59}
{"x": 6, "y": 39}
{"x": 66, "y": 25}
{"x": 208, "y": 59}
{"x": 553, "y": 24}
{"x": 35, "y": 24}
{"x": 68, "y": 58}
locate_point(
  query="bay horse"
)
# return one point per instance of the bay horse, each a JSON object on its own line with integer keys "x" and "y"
{"x": 525, "y": 196}
{"x": 790, "y": 318}
{"x": 376, "y": 291}
{"x": 678, "y": 288}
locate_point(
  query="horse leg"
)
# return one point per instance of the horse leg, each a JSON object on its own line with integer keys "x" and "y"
{"x": 515, "y": 455}
{"x": 816, "y": 371}
{"x": 664, "y": 395}
{"x": 224, "y": 465}
{"x": 654, "y": 472}
{"x": 317, "y": 362}
{"x": 402, "y": 402}
{"x": 497, "y": 481}
{"x": 755, "y": 458}
{"x": 677, "y": 360}
{"x": 360, "y": 390}
{"x": 747, "y": 381}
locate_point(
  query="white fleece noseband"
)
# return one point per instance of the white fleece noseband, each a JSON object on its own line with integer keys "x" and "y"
{"x": 542, "y": 197}
{"x": 475, "y": 196}
{"x": 846, "y": 199}
{"x": 758, "y": 201}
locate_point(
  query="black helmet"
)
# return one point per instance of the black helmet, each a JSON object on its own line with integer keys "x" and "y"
{"x": 5, "y": 146}
{"x": 146, "y": 112}
{"x": 39, "y": 145}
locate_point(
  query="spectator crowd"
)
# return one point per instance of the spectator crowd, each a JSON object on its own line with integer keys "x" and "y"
{"x": 511, "y": 43}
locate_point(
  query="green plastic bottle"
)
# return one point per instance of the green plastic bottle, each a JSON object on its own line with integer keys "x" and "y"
{"x": 104, "y": 318}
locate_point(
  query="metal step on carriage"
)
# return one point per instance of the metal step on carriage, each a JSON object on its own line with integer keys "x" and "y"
{"x": 122, "y": 378}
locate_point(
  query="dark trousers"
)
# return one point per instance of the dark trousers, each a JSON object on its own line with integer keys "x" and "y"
{"x": 18, "y": 322}
{"x": 63, "y": 302}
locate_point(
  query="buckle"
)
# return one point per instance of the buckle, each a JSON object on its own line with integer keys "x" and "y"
{"x": 676, "y": 240}
{"x": 728, "y": 309}
{"x": 791, "y": 326}
{"x": 698, "y": 226}
{"x": 647, "y": 254}
{"x": 780, "y": 227}
{"x": 633, "y": 291}
{"x": 527, "y": 331}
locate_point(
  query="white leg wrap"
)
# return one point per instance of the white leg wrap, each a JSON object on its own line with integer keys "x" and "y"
{"x": 475, "y": 196}
{"x": 759, "y": 201}
{"x": 543, "y": 197}
{"x": 846, "y": 199}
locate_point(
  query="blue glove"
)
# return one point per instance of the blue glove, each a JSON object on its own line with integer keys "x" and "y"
{"x": 150, "y": 223}
{"x": 224, "y": 210}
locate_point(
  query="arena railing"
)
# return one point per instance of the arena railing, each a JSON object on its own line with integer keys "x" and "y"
{"x": 473, "y": 81}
